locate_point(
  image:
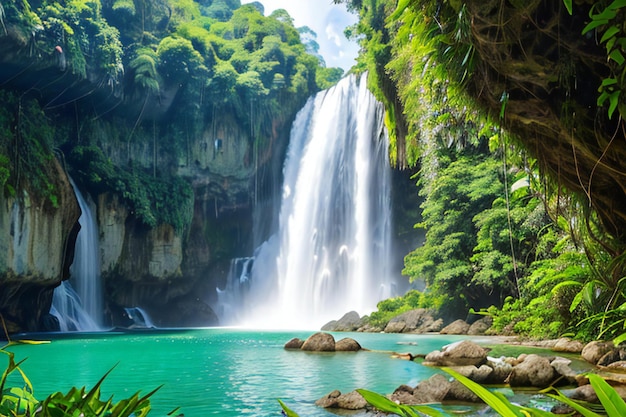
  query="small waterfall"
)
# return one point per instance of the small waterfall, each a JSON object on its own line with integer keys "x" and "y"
{"x": 234, "y": 294}
{"x": 331, "y": 253}
{"x": 78, "y": 303}
{"x": 139, "y": 317}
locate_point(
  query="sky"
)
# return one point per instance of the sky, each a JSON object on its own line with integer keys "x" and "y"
{"x": 326, "y": 19}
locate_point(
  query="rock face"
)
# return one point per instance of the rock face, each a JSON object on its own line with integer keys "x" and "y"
{"x": 456, "y": 327}
{"x": 37, "y": 250}
{"x": 419, "y": 320}
{"x": 350, "y": 322}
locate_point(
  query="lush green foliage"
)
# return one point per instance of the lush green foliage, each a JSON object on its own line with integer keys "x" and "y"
{"x": 154, "y": 200}
{"x": 28, "y": 136}
{"x": 391, "y": 307}
{"x": 153, "y": 73}
{"x": 534, "y": 253}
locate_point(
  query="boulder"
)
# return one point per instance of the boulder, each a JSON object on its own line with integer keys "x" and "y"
{"x": 480, "y": 326}
{"x": 568, "y": 346}
{"x": 350, "y": 401}
{"x": 347, "y": 344}
{"x": 593, "y": 351}
{"x": 562, "y": 367}
{"x": 403, "y": 395}
{"x": 432, "y": 390}
{"x": 534, "y": 371}
{"x": 350, "y": 322}
{"x": 419, "y": 320}
{"x": 614, "y": 355}
{"x": 319, "y": 342}
{"x": 458, "y": 354}
{"x": 329, "y": 400}
{"x": 501, "y": 369}
{"x": 459, "y": 392}
{"x": 395, "y": 327}
{"x": 479, "y": 375}
{"x": 294, "y": 343}
{"x": 456, "y": 327}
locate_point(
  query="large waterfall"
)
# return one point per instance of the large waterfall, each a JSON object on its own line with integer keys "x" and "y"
{"x": 78, "y": 303}
{"x": 331, "y": 253}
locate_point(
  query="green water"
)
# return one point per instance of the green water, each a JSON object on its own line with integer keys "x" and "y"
{"x": 224, "y": 372}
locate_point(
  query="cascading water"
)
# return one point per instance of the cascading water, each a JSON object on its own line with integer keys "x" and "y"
{"x": 78, "y": 303}
{"x": 331, "y": 253}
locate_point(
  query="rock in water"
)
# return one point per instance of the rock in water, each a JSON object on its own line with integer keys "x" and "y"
{"x": 319, "y": 342}
{"x": 294, "y": 343}
{"x": 347, "y": 344}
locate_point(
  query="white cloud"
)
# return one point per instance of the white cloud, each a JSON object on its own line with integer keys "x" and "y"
{"x": 326, "y": 19}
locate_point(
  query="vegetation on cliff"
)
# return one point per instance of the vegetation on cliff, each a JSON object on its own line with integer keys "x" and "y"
{"x": 155, "y": 72}
{"x": 512, "y": 114}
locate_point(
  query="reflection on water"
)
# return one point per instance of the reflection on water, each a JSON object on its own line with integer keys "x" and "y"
{"x": 224, "y": 372}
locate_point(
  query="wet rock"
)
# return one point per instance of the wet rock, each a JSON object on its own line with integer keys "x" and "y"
{"x": 459, "y": 392}
{"x": 614, "y": 355}
{"x": 534, "y": 371}
{"x": 432, "y": 390}
{"x": 319, "y": 342}
{"x": 562, "y": 367}
{"x": 456, "y": 327}
{"x": 403, "y": 395}
{"x": 480, "y": 326}
{"x": 617, "y": 366}
{"x": 347, "y": 344}
{"x": 350, "y": 401}
{"x": 593, "y": 351}
{"x": 458, "y": 354}
{"x": 584, "y": 393}
{"x": 329, "y": 400}
{"x": 294, "y": 343}
{"x": 567, "y": 345}
{"x": 348, "y": 323}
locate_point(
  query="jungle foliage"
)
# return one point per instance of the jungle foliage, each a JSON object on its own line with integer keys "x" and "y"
{"x": 509, "y": 113}
{"x": 142, "y": 72}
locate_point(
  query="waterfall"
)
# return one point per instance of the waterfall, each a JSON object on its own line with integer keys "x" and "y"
{"x": 78, "y": 303}
{"x": 331, "y": 253}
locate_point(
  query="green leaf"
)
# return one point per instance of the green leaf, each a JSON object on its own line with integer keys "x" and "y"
{"x": 617, "y": 56}
{"x": 619, "y": 339}
{"x": 401, "y": 6}
{"x": 594, "y": 24}
{"x": 568, "y": 6}
{"x": 286, "y": 409}
{"x": 608, "y": 81}
{"x": 610, "y": 32}
{"x": 613, "y": 404}
{"x": 381, "y": 402}
{"x": 500, "y": 404}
